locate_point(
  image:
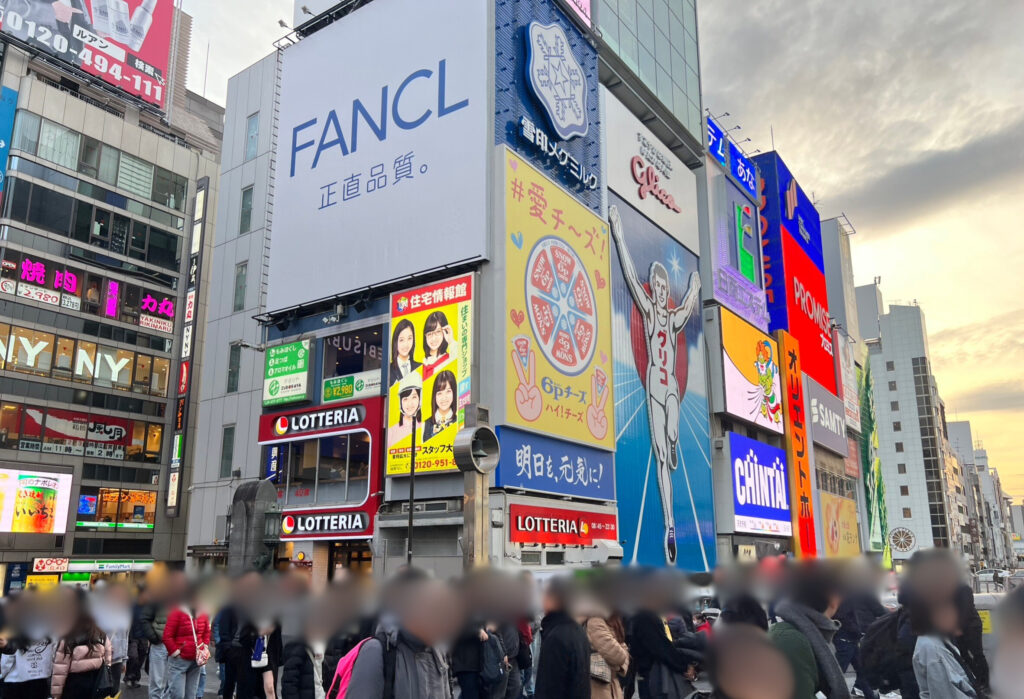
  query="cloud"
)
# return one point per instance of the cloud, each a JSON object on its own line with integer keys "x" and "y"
{"x": 998, "y": 340}
{"x": 1007, "y": 396}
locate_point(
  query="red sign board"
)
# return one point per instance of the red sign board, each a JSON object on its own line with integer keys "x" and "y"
{"x": 320, "y": 420}
{"x": 330, "y": 523}
{"x": 807, "y": 311}
{"x": 549, "y": 525}
{"x": 50, "y": 565}
{"x": 183, "y": 378}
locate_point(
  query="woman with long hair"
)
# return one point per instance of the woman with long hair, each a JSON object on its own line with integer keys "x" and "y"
{"x": 403, "y": 347}
{"x": 607, "y": 636}
{"x": 83, "y": 650}
{"x": 442, "y": 404}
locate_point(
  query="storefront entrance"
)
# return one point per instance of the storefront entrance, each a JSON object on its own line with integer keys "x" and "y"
{"x": 352, "y": 556}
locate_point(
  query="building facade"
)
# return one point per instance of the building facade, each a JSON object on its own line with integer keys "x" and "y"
{"x": 102, "y": 236}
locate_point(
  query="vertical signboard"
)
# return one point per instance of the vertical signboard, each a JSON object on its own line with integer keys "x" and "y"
{"x": 124, "y": 43}
{"x": 558, "y": 326}
{"x": 663, "y": 471}
{"x": 546, "y": 95}
{"x": 429, "y": 373}
{"x": 798, "y": 448}
{"x": 8, "y": 107}
{"x": 750, "y": 364}
{"x": 871, "y": 464}
{"x": 848, "y": 374}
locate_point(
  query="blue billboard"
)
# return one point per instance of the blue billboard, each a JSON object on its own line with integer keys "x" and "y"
{"x": 553, "y": 466}
{"x": 546, "y": 95}
{"x": 785, "y": 205}
{"x": 731, "y": 158}
{"x": 663, "y": 466}
{"x": 760, "y": 487}
{"x": 8, "y": 106}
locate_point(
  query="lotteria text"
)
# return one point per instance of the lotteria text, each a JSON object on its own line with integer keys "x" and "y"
{"x": 319, "y": 420}
{"x": 333, "y": 523}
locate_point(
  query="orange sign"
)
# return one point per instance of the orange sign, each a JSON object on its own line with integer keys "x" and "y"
{"x": 798, "y": 448}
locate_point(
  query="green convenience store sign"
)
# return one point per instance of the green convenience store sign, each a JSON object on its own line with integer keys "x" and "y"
{"x": 286, "y": 373}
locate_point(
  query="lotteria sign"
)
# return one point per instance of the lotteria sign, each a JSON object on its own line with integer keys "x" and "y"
{"x": 760, "y": 487}
{"x": 327, "y": 524}
{"x": 319, "y": 421}
{"x": 549, "y": 525}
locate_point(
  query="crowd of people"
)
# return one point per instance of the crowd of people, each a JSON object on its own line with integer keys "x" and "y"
{"x": 788, "y": 631}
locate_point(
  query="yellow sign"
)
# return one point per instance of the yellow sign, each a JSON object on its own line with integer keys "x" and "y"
{"x": 42, "y": 583}
{"x": 753, "y": 384}
{"x": 429, "y": 375}
{"x": 839, "y": 519}
{"x": 557, "y": 266}
{"x": 986, "y": 621}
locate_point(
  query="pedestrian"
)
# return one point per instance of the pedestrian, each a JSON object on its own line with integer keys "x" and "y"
{"x": 805, "y": 631}
{"x": 258, "y": 657}
{"x": 168, "y": 593}
{"x": 467, "y": 659}
{"x": 1007, "y": 669}
{"x": 225, "y": 626}
{"x": 403, "y": 657}
{"x": 138, "y": 644}
{"x": 859, "y": 609}
{"x": 112, "y": 609}
{"x": 607, "y": 636}
{"x": 81, "y": 663}
{"x": 187, "y": 640}
{"x": 512, "y": 687}
{"x": 524, "y": 659}
{"x": 744, "y": 608}
{"x": 743, "y": 663}
{"x": 941, "y": 672}
{"x": 27, "y": 661}
{"x": 968, "y": 641}
{"x": 563, "y": 671}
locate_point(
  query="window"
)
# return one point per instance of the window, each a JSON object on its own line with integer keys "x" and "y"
{"x": 59, "y": 145}
{"x": 169, "y": 189}
{"x": 905, "y": 490}
{"x": 252, "y": 135}
{"x": 26, "y": 132}
{"x": 897, "y": 427}
{"x": 901, "y": 469}
{"x": 899, "y": 447}
{"x": 234, "y": 365}
{"x": 135, "y": 175}
{"x": 50, "y": 210}
{"x": 890, "y": 366}
{"x": 892, "y": 385}
{"x": 89, "y": 159}
{"x": 353, "y": 351}
{"x": 161, "y": 372}
{"x": 245, "y": 219}
{"x": 164, "y": 249}
{"x": 30, "y": 351}
{"x": 227, "y": 451}
{"x": 241, "y": 269}
{"x": 906, "y": 513}
{"x": 63, "y": 358}
{"x": 344, "y": 468}
{"x": 894, "y": 405}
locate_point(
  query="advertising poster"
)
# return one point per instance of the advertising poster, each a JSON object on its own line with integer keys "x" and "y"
{"x": 382, "y": 175}
{"x": 558, "y": 328}
{"x": 549, "y": 525}
{"x": 839, "y": 520}
{"x": 286, "y": 373}
{"x": 33, "y": 502}
{"x": 798, "y": 448}
{"x": 125, "y": 43}
{"x": 753, "y": 383}
{"x": 871, "y": 464}
{"x": 546, "y": 101}
{"x": 851, "y": 391}
{"x": 544, "y": 465}
{"x": 828, "y": 420}
{"x": 760, "y": 487}
{"x": 663, "y": 467}
{"x": 429, "y": 373}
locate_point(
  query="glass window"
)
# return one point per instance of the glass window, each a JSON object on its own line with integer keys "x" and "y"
{"x": 89, "y": 160}
{"x": 143, "y": 373}
{"x": 137, "y": 448}
{"x": 139, "y": 234}
{"x": 110, "y": 159}
{"x": 88, "y": 506}
{"x": 50, "y": 210}
{"x": 241, "y": 270}
{"x": 161, "y": 373}
{"x": 119, "y": 232}
{"x": 85, "y": 361}
{"x": 245, "y": 219}
{"x": 227, "y": 451}
{"x": 353, "y": 351}
{"x": 10, "y": 425}
{"x": 114, "y": 367}
{"x": 58, "y": 144}
{"x": 64, "y": 358}
{"x": 135, "y": 175}
{"x": 344, "y": 468}
{"x": 70, "y": 282}
{"x": 302, "y": 458}
{"x": 31, "y": 438}
{"x": 26, "y": 132}
{"x": 234, "y": 366}
{"x": 163, "y": 249}
{"x": 252, "y": 135}
{"x": 5, "y": 338}
{"x": 65, "y": 432}
{"x": 138, "y": 509}
{"x": 108, "y": 437}
{"x": 154, "y": 441}
{"x": 131, "y": 297}
{"x": 81, "y": 228}
{"x": 20, "y": 192}
{"x": 30, "y": 351}
{"x": 165, "y": 189}
{"x": 100, "y": 229}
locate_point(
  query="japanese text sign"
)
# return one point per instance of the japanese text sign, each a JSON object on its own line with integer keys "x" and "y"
{"x": 839, "y": 520}
{"x": 396, "y": 148}
{"x": 760, "y": 485}
{"x": 33, "y": 502}
{"x": 558, "y": 327}
{"x": 545, "y": 465}
{"x": 429, "y": 382}
{"x": 550, "y": 525}
{"x": 798, "y": 448}
{"x": 286, "y": 373}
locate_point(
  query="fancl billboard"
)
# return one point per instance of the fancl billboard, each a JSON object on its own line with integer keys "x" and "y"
{"x": 397, "y": 148}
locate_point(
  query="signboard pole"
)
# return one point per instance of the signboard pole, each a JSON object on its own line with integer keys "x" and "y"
{"x": 412, "y": 495}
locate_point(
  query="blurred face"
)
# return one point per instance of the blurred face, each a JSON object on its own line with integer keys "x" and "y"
{"x": 411, "y": 403}
{"x": 432, "y": 613}
{"x": 760, "y": 672}
{"x": 404, "y": 343}
{"x": 445, "y": 398}
{"x": 945, "y": 618}
{"x": 434, "y": 339}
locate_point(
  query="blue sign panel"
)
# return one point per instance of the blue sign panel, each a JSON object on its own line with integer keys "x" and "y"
{"x": 760, "y": 487}
{"x": 663, "y": 466}
{"x": 742, "y": 169}
{"x": 546, "y": 465}
{"x": 785, "y": 205}
{"x": 275, "y": 459}
{"x": 8, "y": 106}
{"x": 546, "y": 95}
{"x": 716, "y": 143}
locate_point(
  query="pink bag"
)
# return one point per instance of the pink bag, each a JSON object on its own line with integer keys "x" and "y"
{"x": 343, "y": 673}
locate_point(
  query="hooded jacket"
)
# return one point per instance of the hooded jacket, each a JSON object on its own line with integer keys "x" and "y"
{"x": 420, "y": 671}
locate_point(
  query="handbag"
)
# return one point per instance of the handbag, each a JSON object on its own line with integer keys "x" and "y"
{"x": 104, "y": 685}
{"x": 599, "y": 669}
{"x": 202, "y": 650}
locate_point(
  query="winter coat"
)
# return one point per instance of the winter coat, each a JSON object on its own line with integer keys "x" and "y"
{"x": 420, "y": 671}
{"x": 563, "y": 671}
{"x": 153, "y": 619}
{"x": 616, "y": 654}
{"x": 297, "y": 679}
{"x": 178, "y": 633}
{"x": 797, "y": 649}
{"x": 969, "y": 642}
{"x": 857, "y": 612}
{"x": 82, "y": 658}
{"x": 650, "y": 646}
{"x": 939, "y": 672}
{"x": 467, "y": 653}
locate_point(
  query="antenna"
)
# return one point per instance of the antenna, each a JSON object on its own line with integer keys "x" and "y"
{"x": 206, "y": 68}
{"x": 772, "y": 129}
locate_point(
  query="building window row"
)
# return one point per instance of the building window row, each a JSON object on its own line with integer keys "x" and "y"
{"x": 29, "y": 276}
{"x": 119, "y": 474}
{"x": 327, "y": 471}
{"x": 837, "y": 484}
{"x": 45, "y": 354}
{"x": 115, "y": 508}
{"x": 118, "y": 402}
{"x": 84, "y": 154}
{"x": 96, "y": 226}
{"x": 67, "y": 432}
{"x": 12, "y": 310}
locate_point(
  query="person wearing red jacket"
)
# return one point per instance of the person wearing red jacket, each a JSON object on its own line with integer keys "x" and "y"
{"x": 187, "y": 639}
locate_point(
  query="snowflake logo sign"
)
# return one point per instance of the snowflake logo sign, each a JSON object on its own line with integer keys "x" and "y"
{"x": 557, "y": 79}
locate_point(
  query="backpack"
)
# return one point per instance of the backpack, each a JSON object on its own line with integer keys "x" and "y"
{"x": 343, "y": 672}
{"x": 492, "y": 665}
{"x": 882, "y": 656}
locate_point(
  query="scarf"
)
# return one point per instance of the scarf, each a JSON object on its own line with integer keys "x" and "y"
{"x": 819, "y": 630}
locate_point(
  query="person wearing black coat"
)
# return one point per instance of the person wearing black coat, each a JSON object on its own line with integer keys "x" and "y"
{"x": 563, "y": 671}
{"x": 858, "y": 610}
{"x": 969, "y": 641}
{"x": 298, "y": 677}
{"x": 662, "y": 669}
{"x": 226, "y": 626}
{"x": 250, "y": 678}
{"x": 509, "y": 634}
{"x": 467, "y": 660}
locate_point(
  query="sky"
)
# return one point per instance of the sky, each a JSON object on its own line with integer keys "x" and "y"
{"x": 908, "y": 117}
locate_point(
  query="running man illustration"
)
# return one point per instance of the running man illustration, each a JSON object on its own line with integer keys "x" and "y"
{"x": 662, "y": 326}
{"x": 767, "y": 370}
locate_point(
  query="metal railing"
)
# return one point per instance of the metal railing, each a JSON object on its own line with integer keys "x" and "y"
{"x": 89, "y": 100}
